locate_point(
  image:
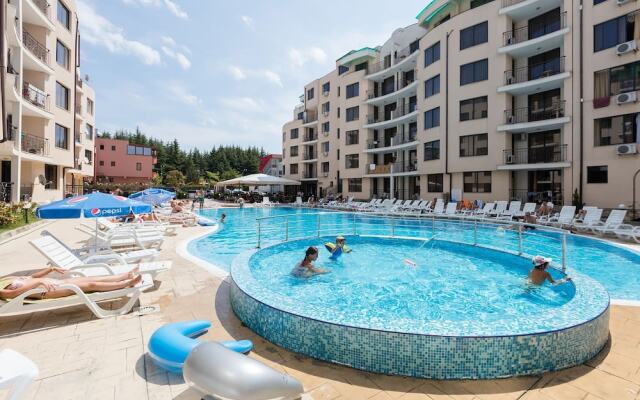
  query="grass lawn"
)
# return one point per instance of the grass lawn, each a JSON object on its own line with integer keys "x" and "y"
{"x": 19, "y": 223}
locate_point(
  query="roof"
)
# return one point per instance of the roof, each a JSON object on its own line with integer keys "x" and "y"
{"x": 425, "y": 9}
{"x": 356, "y": 51}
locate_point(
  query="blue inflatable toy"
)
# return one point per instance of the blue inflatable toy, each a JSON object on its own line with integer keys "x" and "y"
{"x": 170, "y": 345}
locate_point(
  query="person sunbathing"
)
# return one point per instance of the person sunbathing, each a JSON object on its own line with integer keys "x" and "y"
{"x": 14, "y": 286}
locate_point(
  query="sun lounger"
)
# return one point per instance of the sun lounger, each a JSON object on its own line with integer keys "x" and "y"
{"x": 528, "y": 208}
{"x": 16, "y": 372}
{"x": 266, "y": 202}
{"x": 501, "y": 207}
{"x": 484, "y": 211}
{"x": 513, "y": 210}
{"x": 564, "y": 218}
{"x": 614, "y": 222}
{"x": 23, "y": 305}
{"x": 591, "y": 219}
{"x": 451, "y": 209}
{"x": 628, "y": 232}
{"x": 151, "y": 229}
{"x": 121, "y": 239}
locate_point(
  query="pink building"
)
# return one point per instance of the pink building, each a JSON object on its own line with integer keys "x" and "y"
{"x": 120, "y": 162}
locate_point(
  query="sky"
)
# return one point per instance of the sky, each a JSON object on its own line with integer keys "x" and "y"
{"x": 211, "y": 72}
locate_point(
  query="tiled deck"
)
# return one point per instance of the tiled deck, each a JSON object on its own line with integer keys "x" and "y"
{"x": 81, "y": 357}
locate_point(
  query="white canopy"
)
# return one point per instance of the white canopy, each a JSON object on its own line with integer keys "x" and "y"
{"x": 258, "y": 180}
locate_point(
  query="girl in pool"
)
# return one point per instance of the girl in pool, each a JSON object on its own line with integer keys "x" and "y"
{"x": 338, "y": 248}
{"x": 538, "y": 275}
{"x": 305, "y": 268}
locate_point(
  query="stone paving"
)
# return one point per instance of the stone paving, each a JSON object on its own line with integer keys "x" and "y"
{"x": 81, "y": 357}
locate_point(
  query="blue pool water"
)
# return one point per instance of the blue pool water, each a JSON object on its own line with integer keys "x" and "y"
{"x": 616, "y": 268}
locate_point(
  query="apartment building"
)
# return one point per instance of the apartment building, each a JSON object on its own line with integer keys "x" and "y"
{"x": 271, "y": 164}
{"x": 120, "y": 162}
{"x": 480, "y": 99}
{"x": 47, "y": 147}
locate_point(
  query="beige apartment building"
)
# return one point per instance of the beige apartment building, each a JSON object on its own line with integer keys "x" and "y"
{"x": 47, "y": 147}
{"x": 493, "y": 100}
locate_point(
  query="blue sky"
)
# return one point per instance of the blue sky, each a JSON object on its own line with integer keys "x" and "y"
{"x": 211, "y": 72}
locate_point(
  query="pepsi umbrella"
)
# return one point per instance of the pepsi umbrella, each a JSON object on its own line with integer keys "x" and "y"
{"x": 153, "y": 196}
{"x": 92, "y": 205}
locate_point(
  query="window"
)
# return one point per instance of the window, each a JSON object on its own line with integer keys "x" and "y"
{"x": 310, "y": 94}
{"x": 613, "y": 32}
{"x": 62, "y": 54}
{"x": 353, "y": 90}
{"x": 294, "y": 133}
{"x": 64, "y": 16}
{"x": 478, "y": 3}
{"x": 51, "y": 176}
{"x": 62, "y": 96}
{"x": 102, "y": 163}
{"x": 325, "y": 147}
{"x": 616, "y": 80}
{"x": 113, "y": 148}
{"x": 90, "y": 106}
{"x": 338, "y": 132}
{"x": 595, "y": 2}
{"x": 432, "y": 86}
{"x": 474, "y": 145}
{"x": 293, "y": 169}
{"x": 474, "y": 35}
{"x": 89, "y": 131}
{"x": 326, "y": 107}
{"x": 434, "y": 183}
{"x": 615, "y": 130}
{"x": 293, "y": 151}
{"x": 599, "y": 174}
{"x": 351, "y": 137}
{"x": 101, "y": 147}
{"x": 326, "y": 88}
{"x": 432, "y": 54}
{"x": 352, "y": 161}
{"x": 342, "y": 69}
{"x": 326, "y": 126}
{"x": 89, "y": 156}
{"x": 474, "y": 72}
{"x": 353, "y": 113}
{"x": 477, "y": 182}
{"x": 338, "y": 154}
{"x": 62, "y": 137}
{"x": 325, "y": 167}
{"x": 113, "y": 163}
{"x": 361, "y": 66}
{"x": 139, "y": 166}
{"x": 355, "y": 185}
{"x": 432, "y": 150}
{"x": 432, "y": 118}
{"x": 475, "y": 108}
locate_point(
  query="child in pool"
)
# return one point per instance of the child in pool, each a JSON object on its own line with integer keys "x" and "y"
{"x": 538, "y": 275}
{"x": 305, "y": 268}
{"x": 339, "y": 248}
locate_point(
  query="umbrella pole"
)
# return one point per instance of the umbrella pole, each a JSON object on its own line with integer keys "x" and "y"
{"x": 95, "y": 249}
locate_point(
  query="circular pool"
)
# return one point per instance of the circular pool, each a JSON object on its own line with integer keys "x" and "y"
{"x": 435, "y": 309}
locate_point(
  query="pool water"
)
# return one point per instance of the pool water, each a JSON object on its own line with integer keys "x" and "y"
{"x": 617, "y": 269}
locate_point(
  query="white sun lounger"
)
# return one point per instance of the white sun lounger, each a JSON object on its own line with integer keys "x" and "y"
{"x": 513, "y": 210}
{"x": 591, "y": 219}
{"x": 614, "y": 222}
{"x": 628, "y": 232}
{"x": 60, "y": 256}
{"x": 564, "y": 218}
{"x": 120, "y": 239}
{"x": 528, "y": 208}
{"x": 16, "y": 372}
{"x": 501, "y": 207}
{"x": 157, "y": 229}
{"x": 23, "y": 305}
{"x": 484, "y": 211}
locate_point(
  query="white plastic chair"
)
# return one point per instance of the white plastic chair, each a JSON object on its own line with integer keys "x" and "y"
{"x": 17, "y": 372}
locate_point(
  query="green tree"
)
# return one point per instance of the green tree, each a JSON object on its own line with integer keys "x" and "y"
{"x": 174, "y": 178}
{"x": 229, "y": 174}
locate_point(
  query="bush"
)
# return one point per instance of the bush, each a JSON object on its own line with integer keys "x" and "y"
{"x": 13, "y": 213}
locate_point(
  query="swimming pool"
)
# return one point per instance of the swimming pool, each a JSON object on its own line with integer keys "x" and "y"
{"x": 453, "y": 311}
{"x": 616, "y": 268}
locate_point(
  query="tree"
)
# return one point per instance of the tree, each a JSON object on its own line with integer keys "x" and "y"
{"x": 174, "y": 178}
{"x": 213, "y": 178}
{"x": 229, "y": 174}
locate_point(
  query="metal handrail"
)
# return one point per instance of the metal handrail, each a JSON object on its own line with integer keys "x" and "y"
{"x": 399, "y": 56}
{"x": 35, "y": 96}
{"x": 401, "y": 84}
{"x": 535, "y": 71}
{"x": 426, "y": 226}
{"x": 35, "y": 47}
{"x": 522, "y": 34}
{"x": 535, "y": 155}
{"x": 404, "y": 109}
{"x": 43, "y": 6}
{"x": 526, "y": 114}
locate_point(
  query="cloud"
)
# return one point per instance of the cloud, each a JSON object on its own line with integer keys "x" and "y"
{"x": 182, "y": 95}
{"x": 300, "y": 57}
{"x": 168, "y": 4}
{"x": 272, "y": 77}
{"x": 246, "y": 104}
{"x": 99, "y": 31}
{"x": 241, "y": 74}
{"x": 247, "y": 20}
{"x": 184, "y": 62}
{"x": 237, "y": 73}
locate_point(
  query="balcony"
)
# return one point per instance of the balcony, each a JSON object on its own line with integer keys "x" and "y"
{"x": 310, "y": 156}
{"x": 404, "y": 60}
{"x": 398, "y": 142}
{"x": 405, "y": 88}
{"x": 398, "y": 168}
{"x": 36, "y": 101}
{"x": 545, "y": 157}
{"x": 406, "y": 113}
{"x": 529, "y": 196}
{"x": 310, "y": 118}
{"x": 78, "y": 139}
{"x": 30, "y": 144}
{"x": 534, "y": 39}
{"x": 535, "y": 78}
{"x": 309, "y": 175}
{"x": 310, "y": 137}
{"x": 73, "y": 190}
{"x": 523, "y": 9}
{"x": 37, "y": 12}
{"x": 525, "y": 119}
{"x": 38, "y": 52}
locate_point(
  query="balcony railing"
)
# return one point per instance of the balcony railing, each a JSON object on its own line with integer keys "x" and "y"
{"x": 533, "y": 31}
{"x": 35, "y": 96}
{"x": 310, "y": 155}
{"x": 380, "y": 169}
{"x": 79, "y": 82}
{"x": 533, "y": 72}
{"x": 405, "y": 166}
{"x": 508, "y": 3}
{"x": 527, "y": 196}
{"x": 536, "y": 155}
{"x": 404, "y": 109}
{"x": 35, "y": 47}
{"x": 5, "y": 192}
{"x": 402, "y": 83}
{"x": 397, "y": 140}
{"x": 73, "y": 190}
{"x": 310, "y": 116}
{"x": 43, "y": 6}
{"x": 526, "y": 114}
{"x": 79, "y": 109}
{"x": 78, "y": 138}
{"x": 398, "y": 57}
{"x": 310, "y": 175}
{"x": 308, "y": 137}
{"x": 29, "y": 143}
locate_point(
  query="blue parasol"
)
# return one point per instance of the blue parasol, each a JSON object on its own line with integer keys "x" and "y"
{"x": 153, "y": 196}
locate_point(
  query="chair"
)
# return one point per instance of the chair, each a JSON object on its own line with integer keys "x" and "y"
{"x": 266, "y": 202}
{"x": 613, "y": 223}
{"x": 591, "y": 219}
{"x": 564, "y": 218}
{"x": 513, "y": 210}
{"x": 501, "y": 207}
{"x": 528, "y": 208}
{"x": 158, "y": 229}
{"x": 298, "y": 202}
{"x": 23, "y": 305}
{"x": 451, "y": 208}
{"x": 628, "y": 232}
{"x": 61, "y": 256}
{"x": 484, "y": 211}
{"x": 121, "y": 238}
{"x": 438, "y": 208}
{"x": 16, "y": 371}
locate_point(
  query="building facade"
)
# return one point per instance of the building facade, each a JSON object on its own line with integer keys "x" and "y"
{"x": 118, "y": 161}
{"x": 271, "y": 164}
{"x": 492, "y": 100}
{"x": 47, "y": 146}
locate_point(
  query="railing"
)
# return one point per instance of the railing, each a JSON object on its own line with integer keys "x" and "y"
{"x": 35, "y": 47}
{"x": 310, "y": 175}
{"x": 401, "y": 84}
{"x": 405, "y": 166}
{"x": 29, "y": 143}
{"x": 26, "y": 192}
{"x": 310, "y": 155}
{"x": 79, "y": 109}
{"x": 35, "y": 96}
{"x": 75, "y": 190}
{"x": 525, "y": 196}
{"x": 404, "y": 109}
{"x": 535, "y": 155}
{"x": 398, "y": 57}
{"x": 308, "y": 137}
{"x": 397, "y": 140}
{"x": 533, "y": 72}
{"x": 380, "y": 169}
{"x": 507, "y": 3}
{"x": 78, "y": 138}
{"x": 399, "y": 194}
{"x": 43, "y": 6}
{"x": 525, "y": 114}
{"x": 533, "y": 31}
{"x": 79, "y": 82}
{"x": 475, "y": 231}
{"x": 5, "y": 192}
{"x": 310, "y": 116}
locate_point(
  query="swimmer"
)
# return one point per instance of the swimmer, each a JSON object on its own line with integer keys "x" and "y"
{"x": 222, "y": 217}
{"x": 305, "y": 268}
{"x": 538, "y": 275}
{"x": 409, "y": 262}
{"x": 337, "y": 249}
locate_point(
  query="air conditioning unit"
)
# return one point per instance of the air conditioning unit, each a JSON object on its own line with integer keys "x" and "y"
{"x": 624, "y": 149}
{"x": 325, "y": 93}
{"x": 628, "y": 97}
{"x": 372, "y": 167}
{"x": 509, "y": 159}
{"x": 626, "y": 47}
{"x": 622, "y": 2}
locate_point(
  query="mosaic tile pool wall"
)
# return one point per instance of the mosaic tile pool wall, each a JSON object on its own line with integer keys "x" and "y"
{"x": 427, "y": 356}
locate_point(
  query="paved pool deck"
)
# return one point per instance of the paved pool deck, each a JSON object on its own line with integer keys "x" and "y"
{"x": 81, "y": 357}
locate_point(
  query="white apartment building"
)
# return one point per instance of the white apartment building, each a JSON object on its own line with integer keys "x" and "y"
{"x": 47, "y": 145}
{"x": 480, "y": 99}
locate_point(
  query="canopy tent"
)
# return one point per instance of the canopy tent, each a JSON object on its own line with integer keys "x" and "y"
{"x": 153, "y": 196}
{"x": 257, "y": 180}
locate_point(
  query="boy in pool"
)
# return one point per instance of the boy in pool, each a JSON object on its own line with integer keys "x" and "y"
{"x": 538, "y": 275}
{"x": 305, "y": 268}
{"x": 337, "y": 249}
{"x": 222, "y": 217}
